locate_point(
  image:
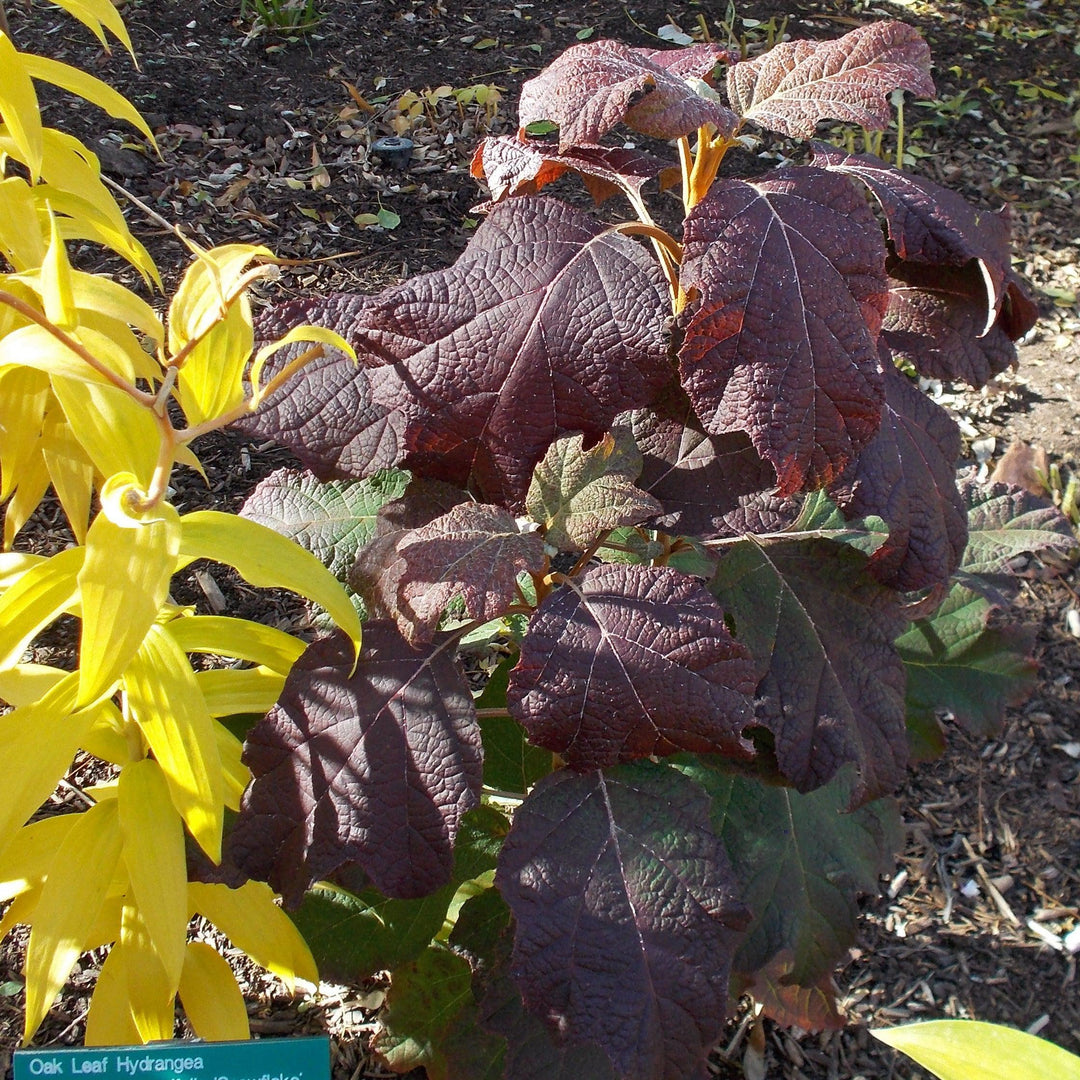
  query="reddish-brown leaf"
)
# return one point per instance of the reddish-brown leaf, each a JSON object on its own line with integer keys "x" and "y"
{"x": 373, "y": 768}
{"x": 907, "y": 476}
{"x": 594, "y": 86}
{"x": 631, "y": 661}
{"x": 781, "y": 343}
{"x": 796, "y": 84}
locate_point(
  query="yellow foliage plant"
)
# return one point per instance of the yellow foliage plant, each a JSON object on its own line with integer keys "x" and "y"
{"x": 88, "y": 372}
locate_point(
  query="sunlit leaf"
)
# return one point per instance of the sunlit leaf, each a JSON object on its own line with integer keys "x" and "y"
{"x": 109, "y": 1021}
{"x": 212, "y": 1000}
{"x": 71, "y": 898}
{"x": 19, "y": 104}
{"x": 151, "y": 990}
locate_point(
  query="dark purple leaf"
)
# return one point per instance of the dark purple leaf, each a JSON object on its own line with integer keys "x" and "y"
{"x": 631, "y": 661}
{"x": 626, "y": 915}
{"x": 796, "y": 84}
{"x": 374, "y": 768}
{"x": 929, "y": 223}
{"x": 474, "y": 551}
{"x": 1006, "y": 521}
{"x": 822, "y": 632}
{"x": 781, "y": 343}
{"x": 547, "y": 323}
{"x": 709, "y": 485}
{"x": 594, "y": 86}
{"x": 935, "y": 318}
{"x": 576, "y": 494}
{"x": 532, "y": 1052}
{"x": 325, "y": 414}
{"x": 513, "y": 167}
{"x": 907, "y": 476}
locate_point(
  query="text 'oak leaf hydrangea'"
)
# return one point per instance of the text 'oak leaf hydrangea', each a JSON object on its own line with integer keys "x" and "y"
{"x": 373, "y": 768}
{"x": 630, "y": 661}
{"x": 782, "y": 340}
{"x": 594, "y": 86}
{"x": 796, "y": 84}
{"x": 548, "y": 322}
{"x": 626, "y": 915}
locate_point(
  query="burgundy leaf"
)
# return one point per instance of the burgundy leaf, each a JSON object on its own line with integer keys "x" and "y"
{"x": 709, "y": 485}
{"x": 928, "y": 223}
{"x": 626, "y": 916}
{"x": 1019, "y": 313}
{"x": 474, "y": 551}
{"x": 781, "y": 343}
{"x": 631, "y": 661}
{"x": 374, "y": 768}
{"x": 822, "y": 632}
{"x": 378, "y": 571}
{"x": 907, "y": 476}
{"x": 513, "y": 167}
{"x": 548, "y": 322}
{"x": 325, "y": 414}
{"x": 796, "y": 84}
{"x": 594, "y": 86}
{"x": 693, "y": 62}
{"x": 936, "y": 320}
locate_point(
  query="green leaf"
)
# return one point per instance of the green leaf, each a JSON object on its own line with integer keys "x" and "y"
{"x": 332, "y": 520}
{"x": 974, "y": 1050}
{"x": 510, "y": 762}
{"x": 800, "y": 861}
{"x": 964, "y": 660}
{"x": 577, "y": 494}
{"x": 822, "y": 517}
{"x": 431, "y": 1020}
{"x": 1004, "y": 522}
{"x": 387, "y": 218}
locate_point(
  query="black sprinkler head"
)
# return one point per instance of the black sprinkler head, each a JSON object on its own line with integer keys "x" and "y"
{"x": 394, "y": 151}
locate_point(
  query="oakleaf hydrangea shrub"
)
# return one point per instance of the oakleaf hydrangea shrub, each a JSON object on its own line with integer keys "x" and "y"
{"x": 680, "y": 496}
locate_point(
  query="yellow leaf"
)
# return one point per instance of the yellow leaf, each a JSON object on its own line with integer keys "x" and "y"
{"x": 37, "y": 744}
{"x": 268, "y": 560}
{"x": 123, "y": 583}
{"x": 19, "y": 912}
{"x": 249, "y": 917}
{"x": 33, "y": 483}
{"x": 25, "y": 862}
{"x": 156, "y": 863}
{"x": 109, "y": 1021}
{"x": 87, "y": 87}
{"x": 220, "y": 635}
{"x": 35, "y": 600}
{"x": 105, "y": 739}
{"x": 124, "y": 348}
{"x": 14, "y": 564}
{"x": 21, "y": 241}
{"x": 236, "y": 774}
{"x": 118, "y": 433}
{"x": 168, "y": 705}
{"x": 71, "y": 899}
{"x": 34, "y": 347}
{"x": 212, "y": 1000}
{"x": 95, "y": 293}
{"x": 23, "y": 684}
{"x": 70, "y": 470}
{"x": 228, "y": 692}
{"x": 24, "y": 395}
{"x": 19, "y": 105}
{"x": 94, "y": 14}
{"x": 208, "y": 288}
{"x": 56, "y": 290}
{"x": 973, "y": 1050}
{"x": 212, "y": 376}
{"x": 317, "y": 335}
{"x": 151, "y": 992}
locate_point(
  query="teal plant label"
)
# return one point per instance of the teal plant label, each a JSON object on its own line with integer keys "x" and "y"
{"x": 260, "y": 1059}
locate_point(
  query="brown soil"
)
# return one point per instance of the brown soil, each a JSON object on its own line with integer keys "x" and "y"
{"x": 262, "y": 141}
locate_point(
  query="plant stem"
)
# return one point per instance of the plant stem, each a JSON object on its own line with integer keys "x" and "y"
{"x": 77, "y": 348}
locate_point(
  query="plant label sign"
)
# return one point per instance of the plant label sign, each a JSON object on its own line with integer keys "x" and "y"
{"x": 261, "y": 1059}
